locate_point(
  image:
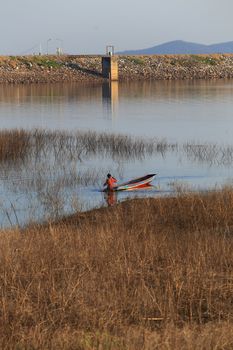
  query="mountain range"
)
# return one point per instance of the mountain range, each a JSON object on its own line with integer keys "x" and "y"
{"x": 182, "y": 47}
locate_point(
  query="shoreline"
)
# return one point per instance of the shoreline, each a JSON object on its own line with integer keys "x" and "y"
{"x": 87, "y": 68}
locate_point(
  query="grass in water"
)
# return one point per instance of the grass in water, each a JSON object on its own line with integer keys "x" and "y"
{"x": 37, "y": 144}
{"x": 14, "y": 145}
{"x": 19, "y": 145}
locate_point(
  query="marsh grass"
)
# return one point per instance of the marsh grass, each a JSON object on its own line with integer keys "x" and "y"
{"x": 59, "y": 147}
{"x": 27, "y": 156}
{"x": 14, "y": 145}
{"x": 145, "y": 274}
{"x": 209, "y": 153}
{"x": 38, "y": 158}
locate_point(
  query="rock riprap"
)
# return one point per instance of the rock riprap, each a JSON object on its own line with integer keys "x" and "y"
{"x": 78, "y": 68}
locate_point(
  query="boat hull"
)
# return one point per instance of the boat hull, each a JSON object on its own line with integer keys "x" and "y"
{"x": 138, "y": 183}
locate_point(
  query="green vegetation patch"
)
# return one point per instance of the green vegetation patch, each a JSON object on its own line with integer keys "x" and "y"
{"x": 190, "y": 60}
{"x": 46, "y": 62}
{"x": 209, "y": 60}
{"x": 136, "y": 60}
{"x": 41, "y": 61}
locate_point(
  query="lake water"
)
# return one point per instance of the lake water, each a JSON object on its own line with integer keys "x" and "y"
{"x": 178, "y": 112}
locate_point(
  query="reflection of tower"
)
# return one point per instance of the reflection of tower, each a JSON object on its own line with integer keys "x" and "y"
{"x": 110, "y": 98}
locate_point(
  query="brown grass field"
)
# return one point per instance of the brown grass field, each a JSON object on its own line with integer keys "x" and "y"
{"x": 144, "y": 274}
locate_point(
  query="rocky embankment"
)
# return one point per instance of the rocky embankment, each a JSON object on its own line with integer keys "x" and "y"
{"x": 71, "y": 68}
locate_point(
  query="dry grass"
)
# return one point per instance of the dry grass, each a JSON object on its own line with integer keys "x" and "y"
{"x": 145, "y": 274}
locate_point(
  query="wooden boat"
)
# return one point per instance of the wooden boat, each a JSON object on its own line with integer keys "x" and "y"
{"x": 138, "y": 183}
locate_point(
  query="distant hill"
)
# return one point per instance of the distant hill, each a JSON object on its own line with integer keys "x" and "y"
{"x": 182, "y": 47}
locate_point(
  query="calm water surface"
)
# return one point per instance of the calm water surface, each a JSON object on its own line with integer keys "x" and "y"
{"x": 197, "y": 112}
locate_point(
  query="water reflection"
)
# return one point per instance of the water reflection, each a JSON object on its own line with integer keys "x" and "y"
{"x": 49, "y": 93}
{"x": 176, "y": 110}
{"x": 110, "y": 96}
{"x": 157, "y": 90}
{"x": 110, "y": 198}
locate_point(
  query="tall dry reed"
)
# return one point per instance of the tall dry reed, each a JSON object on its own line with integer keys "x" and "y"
{"x": 145, "y": 274}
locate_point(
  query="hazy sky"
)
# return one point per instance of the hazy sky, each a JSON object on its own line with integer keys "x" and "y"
{"x": 87, "y": 26}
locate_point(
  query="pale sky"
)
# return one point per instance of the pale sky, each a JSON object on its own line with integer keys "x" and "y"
{"x": 88, "y": 26}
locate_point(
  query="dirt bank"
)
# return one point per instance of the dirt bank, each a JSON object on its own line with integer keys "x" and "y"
{"x": 67, "y": 68}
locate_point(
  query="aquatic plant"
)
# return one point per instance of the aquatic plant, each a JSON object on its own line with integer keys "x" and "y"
{"x": 60, "y": 146}
{"x": 14, "y": 145}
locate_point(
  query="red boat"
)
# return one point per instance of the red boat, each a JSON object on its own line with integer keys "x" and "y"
{"x": 140, "y": 182}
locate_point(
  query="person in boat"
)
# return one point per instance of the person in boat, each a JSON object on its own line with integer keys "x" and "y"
{"x": 110, "y": 182}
